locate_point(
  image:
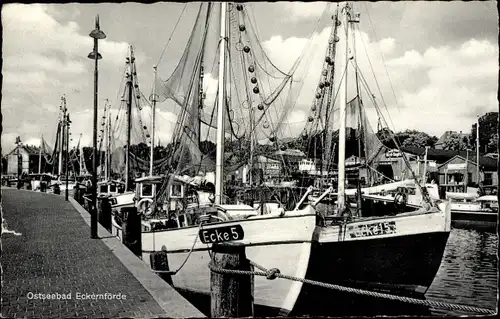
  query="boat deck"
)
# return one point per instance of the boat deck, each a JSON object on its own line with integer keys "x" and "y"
{"x": 47, "y": 252}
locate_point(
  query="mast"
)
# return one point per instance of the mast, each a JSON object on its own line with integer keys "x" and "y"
{"x": 477, "y": 152}
{"x": 153, "y": 125}
{"x": 466, "y": 176}
{"x": 342, "y": 133}
{"x": 200, "y": 102}
{"x": 327, "y": 146}
{"x": 105, "y": 124}
{"x": 59, "y": 146}
{"x": 108, "y": 147}
{"x": 130, "y": 60}
{"x": 40, "y": 157}
{"x": 219, "y": 169}
{"x": 424, "y": 177}
{"x": 252, "y": 141}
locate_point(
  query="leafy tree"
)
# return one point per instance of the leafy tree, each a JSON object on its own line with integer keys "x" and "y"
{"x": 414, "y": 138}
{"x": 493, "y": 144}
{"x": 208, "y": 148}
{"x": 488, "y": 126}
{"x": 456, "y": 142}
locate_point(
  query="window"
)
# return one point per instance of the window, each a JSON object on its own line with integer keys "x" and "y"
{"x": 176, "y": 190}
{"x": 104, "y": 188}
{"x": 147, "y": 190}
{"x": 488, "y": 179}
{"x": 112, "y": 188}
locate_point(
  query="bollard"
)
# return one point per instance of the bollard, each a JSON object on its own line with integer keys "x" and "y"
{"x": 159, "y": 262}
{"x": 231, "y": 294}
{"x": 106, "y": 213}
{"x": 131, "y": 230}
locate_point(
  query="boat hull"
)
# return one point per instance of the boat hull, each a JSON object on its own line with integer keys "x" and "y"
{"x": 474, "y": 216}
{"x": 271, "y": 241}
{"x": 399, "y": 254}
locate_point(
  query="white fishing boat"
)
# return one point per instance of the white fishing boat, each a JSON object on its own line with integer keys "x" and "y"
{"x": 472, "y": 207}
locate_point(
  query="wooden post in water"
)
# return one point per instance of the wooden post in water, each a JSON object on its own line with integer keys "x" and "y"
{"x": 231, "y": 294}
{"x": 131, "y": 230}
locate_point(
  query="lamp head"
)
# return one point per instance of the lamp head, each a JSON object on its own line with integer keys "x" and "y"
{"x": 97, "y": 33}
{"x": 92, "y": 55}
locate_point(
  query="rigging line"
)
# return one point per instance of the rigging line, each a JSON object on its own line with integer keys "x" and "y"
{"x": 256, "y": 32}
{"x": 382, "y": 56}
{"x": 372, "y": 97}
{"x": 172, "y": 33}
{"x": 378, "y": 86}
{"x": 373, "y": 71}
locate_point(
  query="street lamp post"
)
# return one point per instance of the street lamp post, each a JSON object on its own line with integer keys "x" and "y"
{"x": 68, "y": 122}
{"x": 96, "y": 34}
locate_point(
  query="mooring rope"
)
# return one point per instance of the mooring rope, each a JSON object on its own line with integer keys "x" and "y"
{"x": 174, "y": 272}
{"x": 274, "y": 273}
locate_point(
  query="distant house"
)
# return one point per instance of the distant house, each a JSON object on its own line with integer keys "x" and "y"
{"x": 452, "y": 173}
{"x": 23, "y": 159}
{"x": 440, "y": 144}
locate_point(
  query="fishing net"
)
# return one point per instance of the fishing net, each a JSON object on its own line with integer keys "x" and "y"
{"x": 140, "y": 119}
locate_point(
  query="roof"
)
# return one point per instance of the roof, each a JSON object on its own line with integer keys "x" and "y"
{"x": 290, "y": 152}
{"x": 454, "y": 195}
{"x": 150, "y": 179}
{"x": 30, "y": 149}
{"x": 485, "y": 162}
{"x": 488, "y": 198}
{"x": 434, "y": 154}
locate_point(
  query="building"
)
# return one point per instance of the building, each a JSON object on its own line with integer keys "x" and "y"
{"x": 24, "y": 159}
{"x": 452, "y": 173}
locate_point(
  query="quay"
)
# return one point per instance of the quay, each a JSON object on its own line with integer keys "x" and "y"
{"x": 52, "y": 268}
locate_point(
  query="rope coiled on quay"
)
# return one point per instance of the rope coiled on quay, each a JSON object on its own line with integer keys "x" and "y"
{"x": 274, "y": 273}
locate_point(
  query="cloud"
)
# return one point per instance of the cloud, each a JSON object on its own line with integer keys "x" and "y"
{"x": 424, "y": 90}
{"x": 45, "y": 58}
{"x": 303, "y": 10}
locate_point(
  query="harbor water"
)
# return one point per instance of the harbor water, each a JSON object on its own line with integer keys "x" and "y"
{"x": 469, "y": 270}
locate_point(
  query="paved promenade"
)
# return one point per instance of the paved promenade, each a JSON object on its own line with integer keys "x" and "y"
{"x": 47, "y": 253}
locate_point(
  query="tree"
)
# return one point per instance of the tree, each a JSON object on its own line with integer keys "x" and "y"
{"x": 488, "y": 125}
{"x": 414, "y": 138}
{"x": 456, "y": 142}
{"x": 493, "y": 144}
{"x": 208, "y": 148}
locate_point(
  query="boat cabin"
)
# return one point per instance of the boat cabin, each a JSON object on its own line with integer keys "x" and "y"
{"x": 488, "y": 201}
{"x": 110, "y": 188}
{"x": 454, "y": 197}
{"x": 146, "y": 187}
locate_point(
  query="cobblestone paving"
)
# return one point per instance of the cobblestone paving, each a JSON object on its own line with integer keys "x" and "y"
{"x": 54, "y": 255}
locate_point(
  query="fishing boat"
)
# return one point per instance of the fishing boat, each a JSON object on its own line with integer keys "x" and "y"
{"x": 388, "y": 251}
{"x": 183, "y": 221}
{"x": 471, "y": 207}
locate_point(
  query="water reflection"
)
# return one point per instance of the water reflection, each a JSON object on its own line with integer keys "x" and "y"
{"x": 468, "y": 273}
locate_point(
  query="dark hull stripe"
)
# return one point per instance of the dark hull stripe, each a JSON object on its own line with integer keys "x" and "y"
{"x": 473, "y": 216}
{"x": 395, "y": 262}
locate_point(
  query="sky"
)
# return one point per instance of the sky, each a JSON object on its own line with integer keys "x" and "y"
{"x": 436, "y": 63}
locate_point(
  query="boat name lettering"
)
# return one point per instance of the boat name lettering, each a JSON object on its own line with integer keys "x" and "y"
{"x": 364, "y": 230}
{"x": 217, "y": 235}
